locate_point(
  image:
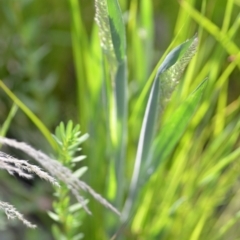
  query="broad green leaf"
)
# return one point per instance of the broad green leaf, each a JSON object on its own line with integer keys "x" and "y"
{"x": 111, "y": 31}
{"x": 162, "y": 146}
{"x": 165, "y": 81}
{"x": 120, "y": 93}
{"x": 117, "y": 29}
{"x": 113, "y": 42}
{"x": 172, "y": 130}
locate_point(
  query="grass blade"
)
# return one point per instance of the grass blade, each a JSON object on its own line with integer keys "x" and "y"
{"x": 29, "y": 113}
{"x": 165, "y": 81}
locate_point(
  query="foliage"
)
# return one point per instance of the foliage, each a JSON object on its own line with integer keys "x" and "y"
{"x": 68, "y": 215}
{"x": 170, "y": 167}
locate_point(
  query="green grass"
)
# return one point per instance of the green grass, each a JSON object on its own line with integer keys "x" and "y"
{"x": 171, "y": 168}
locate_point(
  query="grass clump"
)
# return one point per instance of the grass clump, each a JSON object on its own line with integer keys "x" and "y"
{"x": 163, "y": 144}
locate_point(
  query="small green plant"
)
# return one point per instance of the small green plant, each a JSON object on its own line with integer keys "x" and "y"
{"x": 67, "y": 214}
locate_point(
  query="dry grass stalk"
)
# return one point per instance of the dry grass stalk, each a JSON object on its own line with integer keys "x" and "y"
{"x": 62, "y": 173}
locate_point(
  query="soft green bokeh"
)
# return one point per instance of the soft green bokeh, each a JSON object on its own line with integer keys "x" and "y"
{"x": 52, "y": 61}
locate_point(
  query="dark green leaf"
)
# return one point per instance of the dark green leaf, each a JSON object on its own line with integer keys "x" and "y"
{"x": 117, "y": 29}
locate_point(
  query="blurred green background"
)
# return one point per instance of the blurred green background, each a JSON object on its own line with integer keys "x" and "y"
{"x": 37, "y": 64}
